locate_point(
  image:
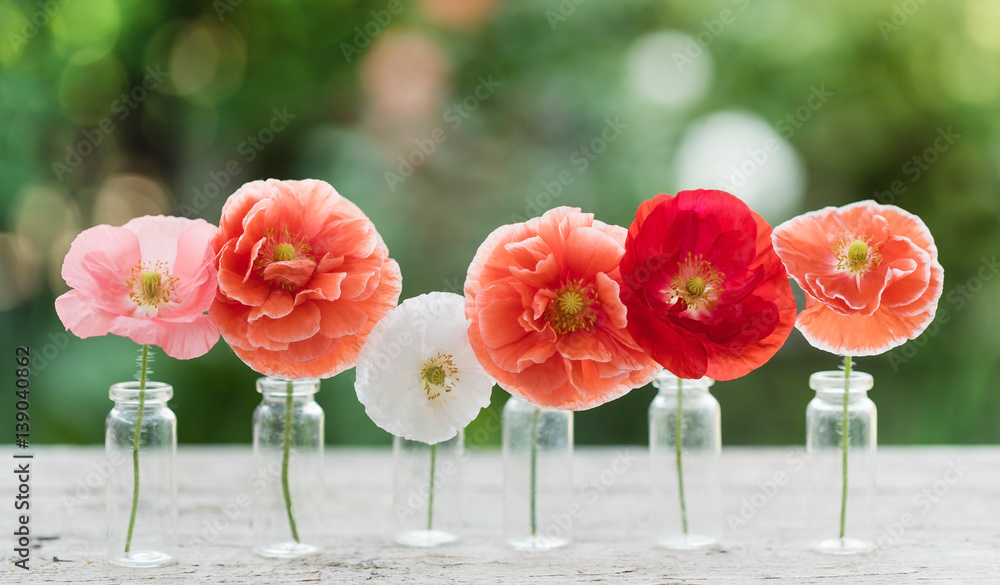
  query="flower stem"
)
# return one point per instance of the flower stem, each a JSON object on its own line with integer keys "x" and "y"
{"x": 143, "y": 366}
{"x": 285, "y": 448}
{"x": 678, "y": 443}
{"x": 534, "y": 470}
{"x": 845, "y": 434}
{"x": 430, "y": 498}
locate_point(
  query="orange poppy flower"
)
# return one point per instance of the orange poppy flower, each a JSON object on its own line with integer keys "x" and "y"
{"x": 303, "y": 278}
{"x": 547, "y": 320}
{"x": 870, "y": 273}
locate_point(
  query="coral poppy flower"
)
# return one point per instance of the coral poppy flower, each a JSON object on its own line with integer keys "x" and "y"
{"x": 870, "y": 273}
{"x": 417, "y": 374}
{"x": 150, "y": 280}
{"x": 547, "y": 321}
{"x": 303, "y": 278}
{"x": 706, "y": 294}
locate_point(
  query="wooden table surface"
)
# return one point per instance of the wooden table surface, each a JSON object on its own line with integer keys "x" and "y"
{"x": 955, "y": 539}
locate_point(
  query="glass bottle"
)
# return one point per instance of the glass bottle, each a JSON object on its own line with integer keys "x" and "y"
{"x": 687, "y": 505}
{"x": 288, "y": 461}
{"x": 538, "y": 476}
{"x": 428, "y": 514}
{"x": 835, "y": 527}
{"x": 149, "y": 540}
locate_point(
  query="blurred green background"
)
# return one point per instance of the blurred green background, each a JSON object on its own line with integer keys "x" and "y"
{"x": 444, "y": 119}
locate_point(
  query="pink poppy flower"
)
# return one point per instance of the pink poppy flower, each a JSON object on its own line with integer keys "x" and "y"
{"x": 303, "y": 278}
{"x": 150, "y": 280}
{"x": 870, "y": 273}
{"x": 547, "y": 321}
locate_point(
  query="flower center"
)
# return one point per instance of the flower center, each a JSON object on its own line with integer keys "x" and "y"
{"x": 438, "y": 376}
{"x": 284, "y": 252}
{"x": 695, "y": 283}
{"x": 571, "y": 309}
{"x": 150, "y": 286}
{"x": 282, "y": 246}
{"x": 856, "y": 254}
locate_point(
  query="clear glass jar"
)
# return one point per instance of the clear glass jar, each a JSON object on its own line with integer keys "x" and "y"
{"x": 837, "y": 478}
{"x": 142, "y": 483}
{"x": 687, "y": 504}
{"x": 288, "y": 460}
{"x": 537, "y": 476}
{"x": 427, "y": 494}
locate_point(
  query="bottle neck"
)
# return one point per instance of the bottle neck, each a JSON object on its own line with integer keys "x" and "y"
{"x": 129, "y": 394}
{"x": 833, "y": 385}
{"x": 669, "y": 385}
{"x": 277, "y": 390}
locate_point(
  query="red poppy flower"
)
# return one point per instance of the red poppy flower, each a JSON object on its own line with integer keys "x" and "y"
{"x": 705, "y": 292}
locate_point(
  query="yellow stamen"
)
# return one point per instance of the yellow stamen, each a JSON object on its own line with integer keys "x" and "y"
{"x": 696, "y": 283}
{"x": 571, "y": 310}
{"x": 438, "y": 376}
{"x": 150, "y": 286}
{"x": 856, "y": 254}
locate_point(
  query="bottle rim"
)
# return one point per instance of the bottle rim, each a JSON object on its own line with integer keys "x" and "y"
{"x": 666, "y": 380}
{"x": 128, "y": 392}
{"x": 832, "y": 381}
{"x": 271, "y": 386}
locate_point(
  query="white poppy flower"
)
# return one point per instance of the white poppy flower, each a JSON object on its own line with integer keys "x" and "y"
{"x": 417, "y": 374}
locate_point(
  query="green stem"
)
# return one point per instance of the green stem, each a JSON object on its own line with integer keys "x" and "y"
{"x": 843, "y": 443}
{"x": 285, "y": 448}
{"x": 534, "y": 470}
{"x": 143, "y": 366}
{"x": 430, "y": 498}
{"x": 678, "y": 443}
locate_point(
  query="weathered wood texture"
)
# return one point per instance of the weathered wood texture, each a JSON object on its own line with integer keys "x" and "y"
{"x": 954, "y": 540}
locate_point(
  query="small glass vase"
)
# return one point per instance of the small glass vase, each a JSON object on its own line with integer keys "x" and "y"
{"x": 427, "y": 495}
{"x": 842, "y": 490}
{"x": 537, "y": 476}
{"x": 142, "y": 484}
{"x": 687, "y": 504}
{"x": 288, "y": 461}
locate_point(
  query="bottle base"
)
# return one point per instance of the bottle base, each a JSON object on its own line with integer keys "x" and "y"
{"x": 843, "y": 546}
{"x": 688, "y": 542}
{"x": 537, "y": 543}
{"x": 286, "y": 550}
{"x": 425, "y": 538}
{"x": 142, "y": 559}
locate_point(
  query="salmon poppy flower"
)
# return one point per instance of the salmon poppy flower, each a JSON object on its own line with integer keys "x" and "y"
{"x": 303, "y": 278}
{"x": 706, "y": 294}
{"x": 150, "y": 280}
{"x": 870, "y": 273}
{"x": 547, "y": 321}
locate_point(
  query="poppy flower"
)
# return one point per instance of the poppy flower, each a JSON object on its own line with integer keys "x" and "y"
{"x": 417, "y": 374}
{"x": 547, "y": 321}
{"x": 150, "y": 280}
{"x": 870, "y": 273}
{"x": 303, "y": 278}
{"x": 706, "y": 294}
